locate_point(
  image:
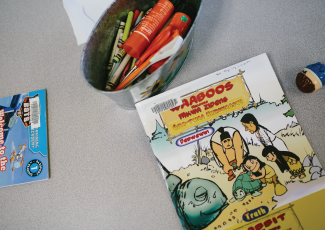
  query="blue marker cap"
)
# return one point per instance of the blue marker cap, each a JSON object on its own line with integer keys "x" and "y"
{"x": 319, "y": 70}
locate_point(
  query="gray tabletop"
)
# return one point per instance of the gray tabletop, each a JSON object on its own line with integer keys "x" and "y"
{"x": 103, "y": 171}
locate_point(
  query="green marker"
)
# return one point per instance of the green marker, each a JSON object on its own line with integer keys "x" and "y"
{"x": 128, "y": 25}
{"x": 126, "y": 29}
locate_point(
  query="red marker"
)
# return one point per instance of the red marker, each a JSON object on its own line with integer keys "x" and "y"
{"x": 135, "y": 16}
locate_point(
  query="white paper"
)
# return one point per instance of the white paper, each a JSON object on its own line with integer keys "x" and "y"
{"x": 83, "y": 15}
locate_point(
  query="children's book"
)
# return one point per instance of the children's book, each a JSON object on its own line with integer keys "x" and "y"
{"x": 232, "y": 152}
{"x": 23, "y": 138}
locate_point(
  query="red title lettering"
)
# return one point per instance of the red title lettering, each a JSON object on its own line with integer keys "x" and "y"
{"x": 2, "y": 150}
{"x": 268, "y": 223}
{"x": 201, "y": 96}
{"x": 3, "y": 162}
{"x": 2, "y": 120}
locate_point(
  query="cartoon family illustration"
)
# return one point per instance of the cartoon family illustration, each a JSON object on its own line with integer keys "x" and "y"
{"x": 232, "y": 152}
{"x": 199, "y": 201}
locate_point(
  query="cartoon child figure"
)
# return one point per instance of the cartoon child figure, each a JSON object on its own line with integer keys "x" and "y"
{"x": 265, "y": 136}
{"x": 285, "y": 161}
{"x": 229, "y": 148}
{"x": 263, "y": 172}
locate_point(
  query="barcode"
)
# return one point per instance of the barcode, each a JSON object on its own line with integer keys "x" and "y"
{"x": 163, "y": 106}
{"x": 34, "y": 112}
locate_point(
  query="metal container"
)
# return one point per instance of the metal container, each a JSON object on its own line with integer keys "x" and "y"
{"x": 99, "y": 46}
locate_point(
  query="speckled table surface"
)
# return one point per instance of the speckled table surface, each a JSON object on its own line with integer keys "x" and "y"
{"x": 103, "y": 172}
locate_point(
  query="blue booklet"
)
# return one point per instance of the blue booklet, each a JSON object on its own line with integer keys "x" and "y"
{"x": 23, "y": 138}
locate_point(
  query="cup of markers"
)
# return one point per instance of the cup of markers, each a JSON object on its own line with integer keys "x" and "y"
{"x": 137, "y": 48}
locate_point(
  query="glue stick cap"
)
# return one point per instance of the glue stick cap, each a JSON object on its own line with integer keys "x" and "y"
{"x": 188, "y": 10}
{"x": 135, "y": 45}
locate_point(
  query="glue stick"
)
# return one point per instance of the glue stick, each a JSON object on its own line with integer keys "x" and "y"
{"x": 149, "y": 27}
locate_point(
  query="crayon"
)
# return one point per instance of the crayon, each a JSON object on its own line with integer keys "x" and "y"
{"x": 118, "y": 57}
{"x": 119, "y": 41}
{"x": 126, "y": 69}
{"x": 136, "y": 25}
{"x": 110, "y": 65}
{"x": 115, "y": 68}
{"x": 121, "y": 29}
{"x": 111, "y": 85}
{"x": 116, "y": 65}
{"x": 110, "y": 72}
{"x": 120, "y": 26}
{"x": 135, "y": 16}
{"x": 126, "y": 29}
{"x": 133, "y": 62}
{"x": 139, "y": 18}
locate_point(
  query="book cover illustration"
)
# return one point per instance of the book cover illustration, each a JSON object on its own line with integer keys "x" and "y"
{"x": 230, "y": 147}
{"x": 23, "y": 138}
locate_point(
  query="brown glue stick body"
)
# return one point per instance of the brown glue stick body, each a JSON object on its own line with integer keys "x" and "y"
{"x": 148, "y": 28}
